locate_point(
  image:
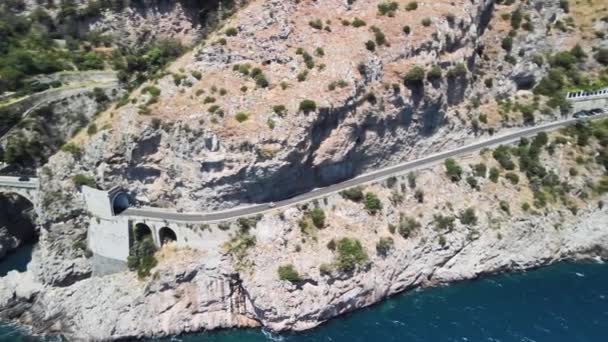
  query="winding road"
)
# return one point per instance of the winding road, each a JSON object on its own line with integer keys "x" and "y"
{"x": 396, "y": 170}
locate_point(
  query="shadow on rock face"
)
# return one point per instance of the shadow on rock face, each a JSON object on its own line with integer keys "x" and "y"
{"x": 16, "y": 222}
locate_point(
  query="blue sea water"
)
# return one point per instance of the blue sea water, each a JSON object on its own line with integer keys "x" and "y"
{"x": 566, "y": 302}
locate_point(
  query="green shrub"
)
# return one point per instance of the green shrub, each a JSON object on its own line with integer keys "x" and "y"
{"x": 435, "y": 73}
{"x": 507, "y": 43}
{"x": 354, "y": 194}
{"x": 280, "y": 110}
{"x": 289, "y": 273}
{"x": 241, "y": 116}
{"x": 502, "y": 154}
{"x": 358, "y": 22}
{"x": 426, "y": 22}
{"x": 443, "y": 223}
{"x": 512, "y": 177}
{"x": 453, "y": 170}
{"x": 407, "y": 29}
{"x": 516, "y": 18}
{"x": 504, "y": 206}
{"x": 480, "y": 170}
{"x": 261, "y": 81}
{"x": 407, "y": 227}
{"x": 318, "y": 217}
{"x": 468, "y": 217}
{"x": 379, "y": 36}
{"x": 351, "y": 254}
{"x": 83, "y": 180}
{"x": 307, "y": 106}
{"x": 231, "y": 32}
{"x": 316, "y": 24}
{"x": 458, "y": 70}
{"x": 370, "y": 45}
{"x": 415, "y": 76}
{"x": 419, "y": 196}
{"x": 384, "y": 246}
{"x": 472, "y": 181}
{"x": 141, "y": 257}
{"x": 411, "y": 6}
{"x": 302, "y": 76}
{"x": 372, "y": 203}
{"x": 72, "y": 149}
{"x": 92, "y": 129}
{"x": 152, "y": 90}
{"x": 197, "y": 75}
{"x": 387, "y": 7}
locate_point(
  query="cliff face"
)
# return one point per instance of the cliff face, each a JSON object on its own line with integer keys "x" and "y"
{"x": 229, "y": 123}
{"x": 426, "y": 243}
{"x": 186, "y": 148}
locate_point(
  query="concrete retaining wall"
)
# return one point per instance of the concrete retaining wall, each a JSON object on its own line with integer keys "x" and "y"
{"x": 589, "y": 103}
{"x": 109, "y": 238}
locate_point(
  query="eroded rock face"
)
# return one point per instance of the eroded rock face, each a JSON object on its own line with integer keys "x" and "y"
{"x": 186, "y": 156}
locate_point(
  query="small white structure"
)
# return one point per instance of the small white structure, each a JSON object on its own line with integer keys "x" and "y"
{"x": 587, "y": 100}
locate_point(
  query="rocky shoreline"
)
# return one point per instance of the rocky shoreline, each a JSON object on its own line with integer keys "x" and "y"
{"x": 190, "y": 294}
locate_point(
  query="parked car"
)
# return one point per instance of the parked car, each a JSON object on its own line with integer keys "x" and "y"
{"x": 24, "y": 179}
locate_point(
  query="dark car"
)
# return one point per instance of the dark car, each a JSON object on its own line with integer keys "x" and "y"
{"x": 24, "y": 179}
{"x": 596, "y": 111}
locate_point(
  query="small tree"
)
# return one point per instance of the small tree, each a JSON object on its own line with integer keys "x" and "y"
{"x": 307, "y": 106}
{"x": 372, "y": 203}
{"x": 318, "y": 217}
{"x": 231, "y": 32}
{"x": 241, "y": 117}
{"x": 289, "y": 273}
{"x": 411, "y": 6}
{"x": 434, "y": 73}
{"x": 494, "y": 174}
{"x": 408, "y": 226}
{"x": 354, "y": 194}
{"x": 350, "y": 254}
{"x": 453, "y": 170}
{"x": 468, "y": 217}
{"x": 415, "y": 76}
{"x": 419, "y": 195}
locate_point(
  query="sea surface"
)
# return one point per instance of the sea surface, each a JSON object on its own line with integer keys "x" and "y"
{"x": 565, "y": 302}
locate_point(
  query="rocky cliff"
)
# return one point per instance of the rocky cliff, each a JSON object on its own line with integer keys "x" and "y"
{"x": 226, "y": 126}
{"x": 291, "y": 95}
{"x": 410, "y": 241}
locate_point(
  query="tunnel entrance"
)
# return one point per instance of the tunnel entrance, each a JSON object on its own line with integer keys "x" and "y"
{"x": 166, "y": 235}
{"x": 120, "y": 203}
{"x": 17, "y": 222}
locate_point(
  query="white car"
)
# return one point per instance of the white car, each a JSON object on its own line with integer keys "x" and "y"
{"x": 272, "y": 205}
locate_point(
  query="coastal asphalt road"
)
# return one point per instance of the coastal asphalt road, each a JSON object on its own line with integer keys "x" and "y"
{"x": 14, "y": 182}
{"x": 399, "y": 169}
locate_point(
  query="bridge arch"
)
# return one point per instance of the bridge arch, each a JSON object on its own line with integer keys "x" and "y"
{"x": 141, "y": 231}
{"x": 28, "y": 195}
{"x": 166, "y": 235}
{"x": 18, "y": 215}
